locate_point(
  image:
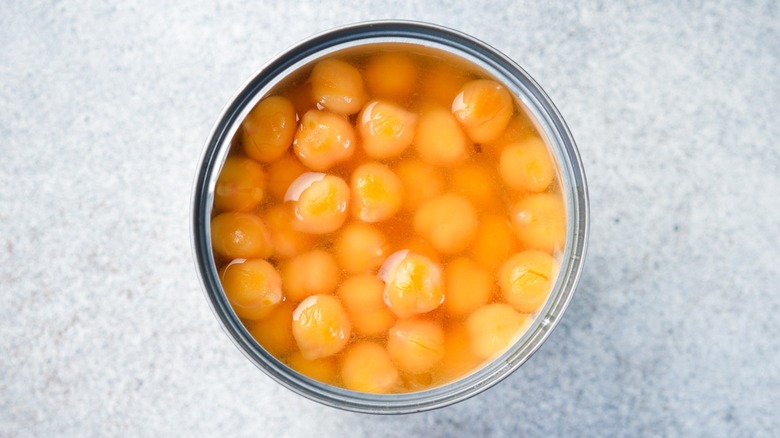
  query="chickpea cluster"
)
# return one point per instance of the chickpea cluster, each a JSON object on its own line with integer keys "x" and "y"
{"x": 388, "y": 222}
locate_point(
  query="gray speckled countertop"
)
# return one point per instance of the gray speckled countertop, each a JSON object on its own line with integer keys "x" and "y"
{"x": 104, "y": 110}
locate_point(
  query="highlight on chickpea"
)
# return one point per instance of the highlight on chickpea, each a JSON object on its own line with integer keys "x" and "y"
{"x": 387, "y": 221}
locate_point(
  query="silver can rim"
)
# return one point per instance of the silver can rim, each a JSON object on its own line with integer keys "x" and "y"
{"x": 551, "y": 123}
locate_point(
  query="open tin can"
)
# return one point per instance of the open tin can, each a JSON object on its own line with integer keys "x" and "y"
{"x": 455, "y": 45}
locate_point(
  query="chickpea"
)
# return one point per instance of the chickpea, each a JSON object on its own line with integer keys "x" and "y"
{"x": 360, "y": 248}
{"x": 320, "y": 326}
{"x": 448, "y": 222}
{"x": 468, "y": 287}
{"x": 415, "y": 345}
{"x": 312, "y": 273}
{"x": 362, "y": 297}
{"x": 418, "y": 245}
{"x": 252, "y": 287}
{"x": 367, "y": 367}
{"x": 492, "y": 328}
{"x": 458, "y": 358}
{"x": 321, "y": 202}
{"x": 479, "y": 184}
{"x": 540, "y": 222}
{"x": 386, "y": 129}
{"x": 439, "y": 139}
{"x": 527, "y": 165}
{"x": 494, "y": 243}
{"x": 518, "y": 129}
{"x": 377, "y": 192}
{"x": 274, "y": 332}
{"x": 526, "y": 279}
{"x": 337, "y": 86}
{"x": 268, "y": 130}
{"x": 240, "y": 186}
{"x": 324, "y": 369}
{"x": 420, "y": 181}
{"x": 483, "y": 107}
{"x": 413, "y": 284}
{"x": 240, "y": 235}
{"x": 285, "y": 239}
{"x": 391, "y": 75}
{"x": 443, "y": 83}
{"x": 323, "y": 140}
{"x": 281, "y": 174}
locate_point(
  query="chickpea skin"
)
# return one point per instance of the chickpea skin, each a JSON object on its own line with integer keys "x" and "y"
{"x": 320, "y": 326}
{"x": 252, "y": 287}
{"x": 337, "y": 86}
{"x": 268, "y": 130}
{"x": 386, "y": 129}
{"x": 483, "y": 107}
{"x": 377, "y": 192}
{"x": 413, "y": 284}
{"x": 323, "y": 140}
{"x": 321, "y": 206}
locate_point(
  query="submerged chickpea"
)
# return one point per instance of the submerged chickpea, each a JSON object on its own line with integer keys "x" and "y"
{"x": 367, "y": 367}
{"x": 320, "y": 326}
{"x": 483, "y": 107}
{"x": 362, "y": 297}
{"x": 253, "y": 287}
{"x": 323, "y": 139}
{"x": 377, "y": 192}
{"x": 468, "y": 286}
{"x": 391, "y": 75}
{"x": 312, "y": 273}
{"x": 386, "y": 129}
{"x": 479, "y": 184}
{"x": 540, "y": 222}
{"x": 281, "y": 174}
{"x": 337, "y": 86}
{"x": 360, "y": 248}
{"x": 492, "y": 328}
{"x": 527, "y": 165}
{"x": 415, "y": 345}
{"x": 526, "y": 279}
{"x": 321, "y": 202}
{"x": 268, "y": 130}
{"x": 285, "y": 239}
{"x": 443, "y": 82}
{"x": 494, "y": 243}
{"x": 240, "y": 186}
{"x": 324, "y": 369}
{"x": 439, "y": 139}
{"x": 449, "y": 222}
{"x": 274, "y": 332}
{"x": 240, "y": 235}
{"x": 421, "y": 182}
{"x": 458, "y": 358}
{"x": 413, "y": 284}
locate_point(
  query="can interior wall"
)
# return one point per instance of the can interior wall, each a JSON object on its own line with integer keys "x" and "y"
{"x": 548, "y": 122}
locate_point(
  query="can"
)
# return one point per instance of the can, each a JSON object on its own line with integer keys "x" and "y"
{"x": 549, "y": 124}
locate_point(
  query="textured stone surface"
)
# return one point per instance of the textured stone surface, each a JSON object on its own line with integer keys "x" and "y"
{"x": 104, "y": 109}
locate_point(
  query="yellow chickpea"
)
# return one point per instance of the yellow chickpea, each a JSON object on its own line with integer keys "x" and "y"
{"x": 483, "y": 107}
{"x": 252, "y": 287}
{"x": 321, "y": 202}
{"x": 468, "y": 286}
{"x": 492, "y": 328}
{"x": 281, "y": 174}
{"x": 540, "y": 222}
{"x": 286, "y": 240}
{"x": 458, "y": 358}
{"x": 268, "y": 130}
{"x": 312, "y": 273}
{"x": 494, "y": 243}
{"x": 367, "y": 367}
{"x": 362, "y": 297}
{"x": 527, "y": 165}
{"x": 240, "y": 186}
{"x": 386, "y": 129}
{"x": 321, "y": 326}
{"x": 377, "y": 192}
{"x": 443, "y": 82}
{"x": 415, "y": 345}
{"x": 439, "y": 139}
{"x": 274, "y": 332}
{"x": 391, "y": 75}
{"x": 526, "y": 279}
{"x": 337, "y": 86}
{"x": 479, "y": 183}
{"x": 449, "y": 222}
{"x": 323, "y": 140}
{"x": 324, "y": 369}
{"x": 360, "y": 248}
{"x": 413, "y": 284}
{"x": 420, "y": 181}
{"x": 240, "y": 235}
{"x": 519, "y": 128}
